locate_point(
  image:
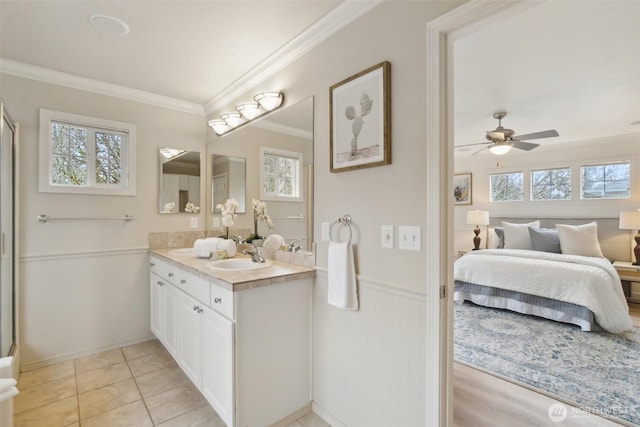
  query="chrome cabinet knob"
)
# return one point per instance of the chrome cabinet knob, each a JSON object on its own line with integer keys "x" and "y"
{"x": 182, "y": 282}
{"x": 170, "y": 274}
{"x": 160, "y": 283}
{"x": 153, "y": 264}
{"x": 195, "y": 308}
{"x": 217, "y": 300}
{"x": 200, "y": 310}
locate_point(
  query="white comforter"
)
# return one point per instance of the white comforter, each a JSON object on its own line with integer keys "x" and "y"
{"x": 587, "y": 281}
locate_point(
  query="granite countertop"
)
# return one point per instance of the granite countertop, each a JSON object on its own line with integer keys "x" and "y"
{"x": 240, "y": 280}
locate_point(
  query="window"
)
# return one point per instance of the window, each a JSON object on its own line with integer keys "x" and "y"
{"x": 551, "y": 184}
{"x": 281, "y": 173}
{"x": 86, "y": 155}
{"x": 605, "y": 181}
{"x": 506, "y": 187}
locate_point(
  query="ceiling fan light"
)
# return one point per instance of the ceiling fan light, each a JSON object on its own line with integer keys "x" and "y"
{"x": 500, "y": 148}
{"x": 232, "y": 119}
{"x": 218, "y": 126}
{"x": 269, "y": 100}
{"x": 249, "y": 110}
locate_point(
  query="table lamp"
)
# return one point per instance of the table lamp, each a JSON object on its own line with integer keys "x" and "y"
{"x": 630, "y": 220}
{"x": 478, "y": 218}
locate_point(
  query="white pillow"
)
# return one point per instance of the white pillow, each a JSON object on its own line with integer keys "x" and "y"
{"x": 580, "y": 239}
{"x": 516, "y": 236}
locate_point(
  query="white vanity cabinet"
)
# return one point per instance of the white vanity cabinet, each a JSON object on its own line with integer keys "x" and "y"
{"x": 247, "y": 351}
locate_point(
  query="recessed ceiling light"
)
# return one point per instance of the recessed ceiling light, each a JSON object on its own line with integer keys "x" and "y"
{"x": 109, "y": 25}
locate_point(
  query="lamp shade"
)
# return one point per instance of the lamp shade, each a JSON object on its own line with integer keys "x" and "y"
{"x": 500, "y": 148}
{"x": 478, "y": 217}
{"x": 250, "y": 110}
{"x": 629, "y": 220}
{"x": 232, "y": 119}
{"x": 219, "y": 126}
{"x": 269, "y": 100}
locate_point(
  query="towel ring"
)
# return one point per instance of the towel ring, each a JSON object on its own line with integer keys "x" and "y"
{"x": 345, "y": 221}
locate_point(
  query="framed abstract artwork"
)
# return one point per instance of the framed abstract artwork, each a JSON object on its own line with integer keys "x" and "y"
{"x": 462, "y": 189}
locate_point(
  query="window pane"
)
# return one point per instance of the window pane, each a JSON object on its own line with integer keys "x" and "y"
{"x": 506, "y": 187}
{"x": 60, "y": 170}
{"x": 77, "y": 172}
{"x": 551, "y": 184}
{"x": 605, "y": 181}
{"x": 59, "y": 138}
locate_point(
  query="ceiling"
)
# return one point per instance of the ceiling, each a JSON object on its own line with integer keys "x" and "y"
{"x": 186, "y": 50}
{"x": 573, "y": 66}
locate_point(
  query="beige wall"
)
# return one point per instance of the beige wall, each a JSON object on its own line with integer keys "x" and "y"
{"x": 85, "y": 283}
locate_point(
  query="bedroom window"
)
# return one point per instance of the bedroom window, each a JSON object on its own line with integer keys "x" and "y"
{"x": 506, "y": 187}
{"x": 281, "y": 175}
{"x": 605, "y": 181}
{"x": 551, "y": 184}
{"x": 86, "y": 155}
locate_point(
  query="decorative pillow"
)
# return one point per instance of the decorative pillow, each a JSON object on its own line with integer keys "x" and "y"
{"x": 499, "y": 232}
{"x": 516, "y": 236}
{"x": 545, "y": 240}
{"x": 580, "y": 239}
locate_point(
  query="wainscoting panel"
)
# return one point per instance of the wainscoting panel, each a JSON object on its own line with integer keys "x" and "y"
{"x": 369, "y": 365}
{"x": 79, "y": 303}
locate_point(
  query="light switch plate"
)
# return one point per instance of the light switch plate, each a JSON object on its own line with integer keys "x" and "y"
{"x": 325, "y": 232}
{"x": 216, "y": 222}
{"x": 194, "y": 222}
{"x": 386, "y": 236}
{"x": 409, "y": 237}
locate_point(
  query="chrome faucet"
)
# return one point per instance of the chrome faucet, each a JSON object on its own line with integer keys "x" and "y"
{"x": 254, "y": 253}
{"x": 294, "y": 246}
{"x": 238, "y": 239}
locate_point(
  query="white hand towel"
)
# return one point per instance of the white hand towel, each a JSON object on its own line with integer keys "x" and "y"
{"x": 343, "y": 291}
{"x": 8, "y": 394}
{"x": 204, "y": 247}
{"x": 7, "y": 388}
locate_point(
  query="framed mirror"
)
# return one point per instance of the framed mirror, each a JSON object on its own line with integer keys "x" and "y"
{"x": 228, "y": 180}
{"x": 287, "y": 130}
{"x": 179, "y": 190}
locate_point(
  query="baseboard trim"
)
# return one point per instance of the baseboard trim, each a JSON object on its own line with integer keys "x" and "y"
{"x": 326, "y": 416}
{"x": 293, "y": 416}
{"x": 70, "y": 356}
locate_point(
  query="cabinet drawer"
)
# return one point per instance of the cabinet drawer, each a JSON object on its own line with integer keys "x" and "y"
{"x": 222, "y": 300}
{"x": 193, "y": 285}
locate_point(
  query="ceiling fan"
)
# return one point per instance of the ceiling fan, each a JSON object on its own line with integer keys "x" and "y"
{"x": 501, "y": 140}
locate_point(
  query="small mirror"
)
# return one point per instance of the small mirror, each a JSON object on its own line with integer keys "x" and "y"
{"x": 228, "y": 180}
{"x": 179, "y": 181}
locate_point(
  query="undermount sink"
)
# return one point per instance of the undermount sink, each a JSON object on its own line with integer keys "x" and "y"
{"x": 237, "y": 264}
{"x": 183, "y": 252}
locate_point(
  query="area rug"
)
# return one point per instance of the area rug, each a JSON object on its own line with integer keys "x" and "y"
{"x": 598, "y": 372}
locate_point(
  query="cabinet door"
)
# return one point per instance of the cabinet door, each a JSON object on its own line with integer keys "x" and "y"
{"x": 157, "y": 291}
{"x": 190, "y": 337}
{"x": 171, "y": 300}
{"x": 217, "y": 363}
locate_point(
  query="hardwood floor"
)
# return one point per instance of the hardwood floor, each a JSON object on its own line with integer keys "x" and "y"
{"x": 483, "y": 400}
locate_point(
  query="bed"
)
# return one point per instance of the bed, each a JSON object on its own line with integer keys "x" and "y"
{"x": 568, "y": 281}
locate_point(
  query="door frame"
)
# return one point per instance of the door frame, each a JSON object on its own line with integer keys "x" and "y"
{"x": 440, "y": 36}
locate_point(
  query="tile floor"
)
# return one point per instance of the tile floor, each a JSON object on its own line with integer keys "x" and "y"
{"x": 138, "y": 386}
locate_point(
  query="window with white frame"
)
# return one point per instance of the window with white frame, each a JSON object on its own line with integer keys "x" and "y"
{"x": 281, "y": 174}
{"x": 551, "y": 184}
{"x": 605, "y": 181}
{"x": 506, "y": 187}
{"x": 86, "y": 155}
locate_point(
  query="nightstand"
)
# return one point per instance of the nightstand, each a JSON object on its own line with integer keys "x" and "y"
{"x": 628, "y": 273}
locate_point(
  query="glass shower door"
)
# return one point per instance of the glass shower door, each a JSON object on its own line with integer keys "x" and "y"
{"x": 7, "y": 224}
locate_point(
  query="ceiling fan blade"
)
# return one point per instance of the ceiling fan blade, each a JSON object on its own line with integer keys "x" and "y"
{"x": 526, "y": 146}
{"x": 473, "y": 154}
{"x": 537, "y": 135}
{"x": 471, "y": 145}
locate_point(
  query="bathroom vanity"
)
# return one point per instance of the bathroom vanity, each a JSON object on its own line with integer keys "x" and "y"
{"x": 242, "y": 337}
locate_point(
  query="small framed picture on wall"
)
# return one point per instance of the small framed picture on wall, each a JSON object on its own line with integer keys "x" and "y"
{"x": 462, "y": 189}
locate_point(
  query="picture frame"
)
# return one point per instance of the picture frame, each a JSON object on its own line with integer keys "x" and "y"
{"x": 462, "y": 189}
{"x": 360, "y": 120}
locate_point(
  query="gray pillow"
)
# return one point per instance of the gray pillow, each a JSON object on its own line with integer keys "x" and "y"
{"x": 500, "y": 232}
{"x": 545, "y": 240}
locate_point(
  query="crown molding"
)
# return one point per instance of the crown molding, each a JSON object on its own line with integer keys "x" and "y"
{"x": 338, "y": 18}
{"x": 33, "y": 72}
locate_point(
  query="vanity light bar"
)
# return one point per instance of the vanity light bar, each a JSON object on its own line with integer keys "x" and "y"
{"x": 264, "y": 103}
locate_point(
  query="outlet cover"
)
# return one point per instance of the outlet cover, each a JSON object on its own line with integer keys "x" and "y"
{"x": 409, "y": 238}
{"x": 216, "y": 222}
{"x": 386, "y": 236}
{"x": 194, "y": 222}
